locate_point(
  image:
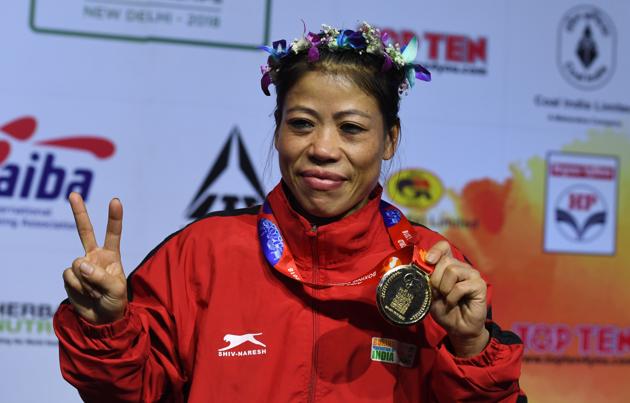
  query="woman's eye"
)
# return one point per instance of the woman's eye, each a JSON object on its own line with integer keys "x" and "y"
{"x": 300, "y": 124}
{"x": 351, "y": 128}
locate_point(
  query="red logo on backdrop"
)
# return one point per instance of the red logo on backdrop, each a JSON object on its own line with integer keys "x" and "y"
{"x": 572, "y": 341}
{"x": 23, "y": 129}
{"x": 45, "y": 179}
{"x": 444, "y": 52}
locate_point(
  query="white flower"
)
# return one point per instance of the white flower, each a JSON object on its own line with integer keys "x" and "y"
{"x": 299, "y": 45}
{"x": 395, "y": 54}
{"x": 330, "y": 31}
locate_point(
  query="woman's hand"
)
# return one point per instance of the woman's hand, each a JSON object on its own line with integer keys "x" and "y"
{"x": 459, "y": 303}
{"x": 96, "y": 283}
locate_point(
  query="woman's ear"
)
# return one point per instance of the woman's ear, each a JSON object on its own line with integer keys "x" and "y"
{"x": 275, "y": 139}
{"x": 278, "y": 118}
{"x": 391, "y": 141}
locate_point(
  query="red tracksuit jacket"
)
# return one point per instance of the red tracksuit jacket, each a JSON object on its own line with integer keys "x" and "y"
{"x": 210, "y": 321}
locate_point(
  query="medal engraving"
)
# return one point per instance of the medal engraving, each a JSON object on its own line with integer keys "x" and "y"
{"x": 403, "y": 295}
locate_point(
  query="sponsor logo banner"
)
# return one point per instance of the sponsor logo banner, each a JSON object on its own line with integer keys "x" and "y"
{"x": 415, "y": 188}
{"x": 26, "y": 323}
{"x": 583, "y": 111}
{"x": 586, "y": 56}
{"x": 443, "y": 52}
{"x": 35, "y": 175}
{"x": 223, "y": 188}
{"x": 587, "y": 47}
{"x": 195, "y": 22}
{"x": 421, "y": 193}
{"x": 562, "y": 343}
{"x": 581, "y": 204}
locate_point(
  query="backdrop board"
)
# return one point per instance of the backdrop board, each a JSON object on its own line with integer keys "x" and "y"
{"x": 518, "y": 151}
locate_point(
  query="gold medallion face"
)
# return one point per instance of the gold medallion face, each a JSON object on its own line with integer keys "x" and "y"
{"x": 403, "y": 295}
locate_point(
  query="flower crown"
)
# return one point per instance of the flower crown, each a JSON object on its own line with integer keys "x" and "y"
{"x": 366, "y": 39}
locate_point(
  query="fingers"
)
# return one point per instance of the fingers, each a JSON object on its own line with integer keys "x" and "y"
{"x": 438, "y": 272}
{"x": 71, "y": 281}
{"x": 82, "y": 220}
{"x": 464, "y": 289}
{"x": 79, "y": 278}
{"x": 76, "y": 294}
{"x": 97, "y": 295}
{"x": 450, "y": 272}
{"x": 439, "y": 250}
{"x": 454, "y": 280}
{"x": 101, "y": 281}
{"x": 114, "y": 226}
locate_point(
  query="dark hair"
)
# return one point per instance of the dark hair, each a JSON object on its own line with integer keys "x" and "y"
{"x": 363, "y": 69}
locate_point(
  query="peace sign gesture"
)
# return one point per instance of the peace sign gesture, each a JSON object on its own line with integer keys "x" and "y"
{"x": 96, "y": 283}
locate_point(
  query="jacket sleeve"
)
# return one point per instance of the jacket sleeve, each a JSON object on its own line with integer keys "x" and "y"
{"x": 137, "y": 358}
{"x": 490, "y": 376}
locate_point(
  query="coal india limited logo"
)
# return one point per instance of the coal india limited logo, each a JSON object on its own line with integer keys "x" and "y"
{"x": 587, "y": 42}
{"x": 415, "y": 188}
{"x": 581, "y": 213}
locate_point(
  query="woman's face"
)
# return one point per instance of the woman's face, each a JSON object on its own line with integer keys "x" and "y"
{"x": 331, "y": 143}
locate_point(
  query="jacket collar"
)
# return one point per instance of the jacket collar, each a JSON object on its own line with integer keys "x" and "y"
{"x": 338, "y": 250}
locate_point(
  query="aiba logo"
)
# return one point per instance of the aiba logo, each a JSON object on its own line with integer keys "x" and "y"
{"x": 415, "y": 188}
{"x": 587, "y": 47}
{"x": 42, "y": 177}
{"x": 231, "y": 166}
{"x": 446, "y": 52}
{"x": 581, "y": 213}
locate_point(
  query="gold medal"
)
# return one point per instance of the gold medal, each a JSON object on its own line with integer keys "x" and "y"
{"x": 403, "y": 295}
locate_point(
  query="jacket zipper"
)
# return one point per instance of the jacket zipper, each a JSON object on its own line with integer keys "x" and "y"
{"x": 315, "y": 259}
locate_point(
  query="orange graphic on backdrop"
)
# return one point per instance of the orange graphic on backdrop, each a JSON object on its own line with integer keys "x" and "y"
{"x": 531, "y": 286}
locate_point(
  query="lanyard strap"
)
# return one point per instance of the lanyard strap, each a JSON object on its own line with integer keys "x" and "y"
{"x": 400, "y": 232}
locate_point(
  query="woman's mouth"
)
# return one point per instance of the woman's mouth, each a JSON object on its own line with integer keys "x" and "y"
{"x": 317, "y": 179}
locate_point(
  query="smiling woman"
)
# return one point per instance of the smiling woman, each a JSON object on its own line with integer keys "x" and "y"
{"x": 325, "y": 286}
{"x": 331, "y": 141}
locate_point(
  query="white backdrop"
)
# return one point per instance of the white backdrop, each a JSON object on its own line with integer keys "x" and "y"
{"x": 170, "y": 82}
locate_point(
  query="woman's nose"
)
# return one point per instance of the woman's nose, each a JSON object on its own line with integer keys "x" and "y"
{"x": 324, "y": 146}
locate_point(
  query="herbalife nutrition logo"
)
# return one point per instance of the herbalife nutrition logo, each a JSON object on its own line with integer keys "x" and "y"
{"x": 26, "y": 323}
{"x": 223, "y": 188}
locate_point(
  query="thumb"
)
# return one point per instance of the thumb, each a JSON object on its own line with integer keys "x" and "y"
{"x": 98, "y": 277}
{"x": 440, "y": 249}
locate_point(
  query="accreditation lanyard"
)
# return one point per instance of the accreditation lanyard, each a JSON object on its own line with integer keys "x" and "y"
{"x": 400, "y": 231}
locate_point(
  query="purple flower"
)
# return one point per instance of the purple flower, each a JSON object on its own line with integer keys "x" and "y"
{"x": 278, "y": 49}
{"x": 422, "y": 73}
{"x": 387, "y": 62}
{"x": 351, "y": 38}
{"x": 357, "y": 40}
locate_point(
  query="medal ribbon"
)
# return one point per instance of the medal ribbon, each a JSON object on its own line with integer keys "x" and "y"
{"x": 400, "y": 232}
